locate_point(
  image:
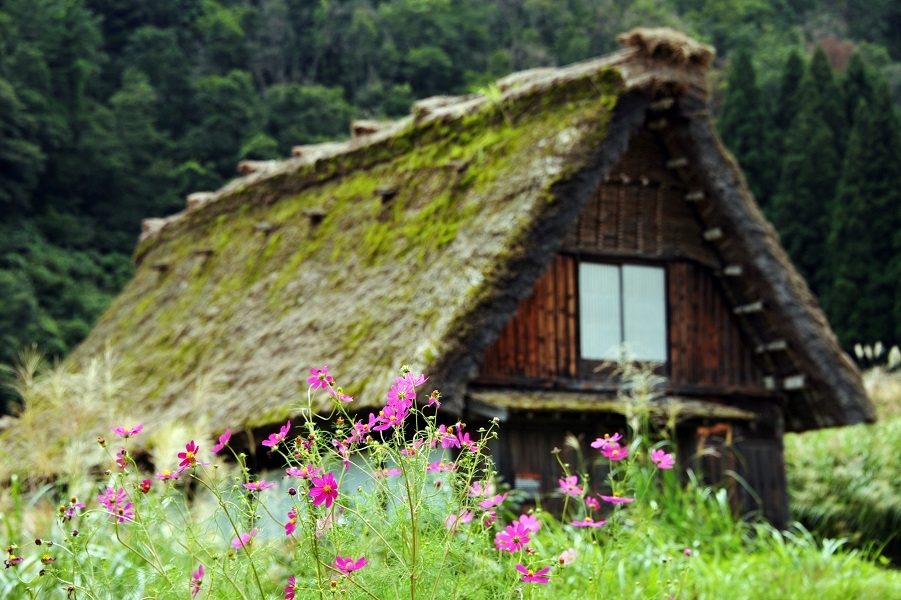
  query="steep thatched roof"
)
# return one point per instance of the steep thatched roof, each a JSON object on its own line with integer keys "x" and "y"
{"x": 414, "y": 241}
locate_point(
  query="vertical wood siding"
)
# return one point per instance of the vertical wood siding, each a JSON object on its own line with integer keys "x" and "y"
{"x": 706, "y": 346}
{"x": 540, "y": 341}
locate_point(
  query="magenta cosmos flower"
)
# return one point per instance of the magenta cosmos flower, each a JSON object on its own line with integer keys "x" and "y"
{"x": 244, "y": 539}
{"x": 258, "y": 486}
{"x": 614, "y": 451}
{"x": 167, "y": 474}
{"x": 616, "y": 499}
{"x": 320, "y": 378}
{"x": 223, "y": 440}
{"x": 127, "y": 432}
{"x": 196, "y": 580}
{"x": 589, "y": 522}
{"x": 291, "y": 525}
{"x": 606, "y": 440}
{"x": 290, "y": 588}
{"x": 325, "y": 490}
{"x": 530, "y": 522}
{"x": 662, "y": 459}
{"x": 570, "y": 485}
{"x": 493, "y": 501}
{"x": 454, "y": 520}
{"x": 303, "y": 472}
{"x": 513, "y": 538}
{"x": 346, "y": 565}
{"x": 189, "y": 456}
{"x": 530, "y": 575}
{"x": 276, "y": 438}
{"x": 117, "y": 504}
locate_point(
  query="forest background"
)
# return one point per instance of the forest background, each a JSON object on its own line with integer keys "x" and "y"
{"x": 112, "y": 111}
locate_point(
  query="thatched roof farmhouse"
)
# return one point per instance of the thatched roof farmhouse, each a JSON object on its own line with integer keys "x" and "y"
{"x": 499, "y": 243}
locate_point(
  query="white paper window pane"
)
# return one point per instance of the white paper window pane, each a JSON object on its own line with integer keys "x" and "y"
{"x": 644, "y": 312}
{"x": 600, "y": 320}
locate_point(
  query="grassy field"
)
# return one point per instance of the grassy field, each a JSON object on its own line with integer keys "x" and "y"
{"x": 401, "y": 521}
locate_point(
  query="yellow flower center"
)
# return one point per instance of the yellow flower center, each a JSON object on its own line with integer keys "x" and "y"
{"x": 326, "y": 488}
{"x": 166, "y": 473}
{"x": 189, "y": 455}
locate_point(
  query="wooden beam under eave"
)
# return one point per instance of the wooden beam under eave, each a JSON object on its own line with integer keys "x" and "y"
{"x": 677, "y": 163}
{"x": 774, "y": 346}
{"x": 694, "y": 196}
{"x": 713, "y": 234}
{"x": 746, "y": 309}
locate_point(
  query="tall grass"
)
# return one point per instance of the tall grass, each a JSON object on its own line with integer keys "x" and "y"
{"x": 847, "y": 482}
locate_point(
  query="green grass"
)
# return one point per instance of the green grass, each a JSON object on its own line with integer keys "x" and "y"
{"x": 847, "y": 482}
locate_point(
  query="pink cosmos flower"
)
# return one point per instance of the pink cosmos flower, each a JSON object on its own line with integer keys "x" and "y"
{"x": 412, "y": 380}
{"x": 489, "y": 518}
{"x": 570, "y": 485}
{"x": 340, "y": 395}
{"x": 606, "y": 440}
{"x": 127, "y": 432}
{"x": 447, "y": 436}
{"x": 480, "y": 488}
{"x": 276, "y": 438}
{"x": 122, "y": 458}
{"x": 465, "y": 441}
{"x": 320, "y": 378}
{"x": 530, "y": 523}
{"x": 223, "y": 441}
{"x": 614, "y": 451}
{"x": 592, "y": 503}
{"x": 290, "y": 588}
{"x": 196, "y": 580}
{"x": 662, "y": 459}
{"x": 567, "y": 557}
{"x": 189, "y": 456}
{"x": 440, "y": 466}
{"x": 145, "y": 486}
{"x": 167, "y": 474}
{"x": 257, "y": 486}
{"x": 303, "y": 472}
{"x": 387, "y": 472}
{"x": 402, "y": 394}
{"x": 325, "y": 490}
{"x": 453, "y": 521}
{"x": 244, "y": 539}
{"x": 530, "y": 575}
{"x": 346, "y": 565}
{"x": 493, "y": 501}
{"x": 513, "y": 538}
{"x": 589, "y": 522}
{"x": 291, "y": 525}
{"x": 391, "y": 416}
{"x": 412, "y": 449}
{"x": 616, "y": 499}
{"x": 67, "y": 513}
{"x": 117, "y": 504}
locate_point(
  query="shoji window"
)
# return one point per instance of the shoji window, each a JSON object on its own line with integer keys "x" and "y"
{"x": 622, "y": 308}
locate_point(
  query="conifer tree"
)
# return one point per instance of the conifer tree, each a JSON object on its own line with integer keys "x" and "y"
{"x": 863, "y": 241}
{"x": 831, "y": 100}
{"x": 811, "y": 168}
{"x": 787, "y": 102}
{"x": 743, "y": 125}
{"x": 856, "y": 86}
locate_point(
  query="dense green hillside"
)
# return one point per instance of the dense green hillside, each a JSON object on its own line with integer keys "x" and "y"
{"x": 112, "y": 111}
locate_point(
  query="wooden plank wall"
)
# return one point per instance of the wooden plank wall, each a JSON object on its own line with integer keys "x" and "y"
{"x": 540, "y": 344}
{"x": 705, "y": 343}
{"x": 540, "y": 341}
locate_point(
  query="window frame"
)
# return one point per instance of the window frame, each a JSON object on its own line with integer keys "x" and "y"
{"x": 594, "y": 368}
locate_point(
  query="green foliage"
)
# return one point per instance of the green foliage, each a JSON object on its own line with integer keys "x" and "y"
{"x": 744, "y": 126}
{"x": 864, "y": 228}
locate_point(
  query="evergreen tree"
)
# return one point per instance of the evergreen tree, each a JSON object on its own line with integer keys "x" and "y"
{"x": 787, "y": 102}
{"x": 863, "y": 241}
{"x": 831, "y": 105}
{"x": 743, "y": 125}
{"x": 856, "y": 86}
{"x": 811, "y": 167}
